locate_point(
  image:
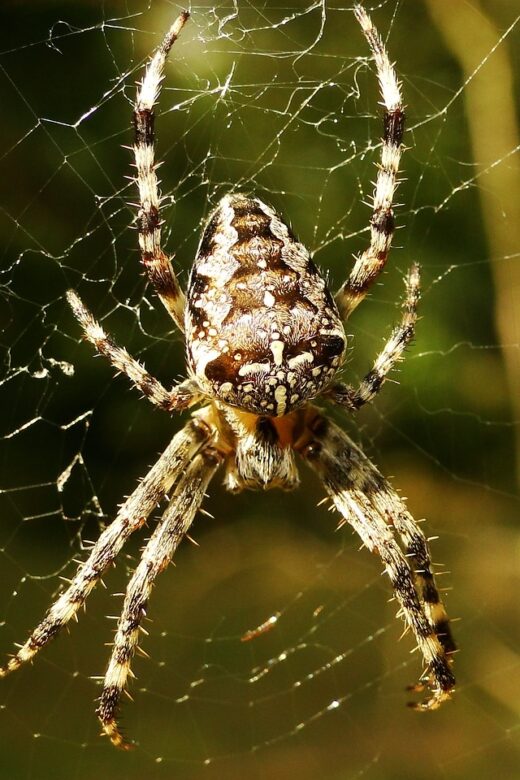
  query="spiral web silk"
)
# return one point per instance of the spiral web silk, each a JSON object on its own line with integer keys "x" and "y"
{"x": 277, "y": 99}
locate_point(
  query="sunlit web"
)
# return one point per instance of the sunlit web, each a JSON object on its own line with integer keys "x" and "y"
{"x": 277, "y": 99}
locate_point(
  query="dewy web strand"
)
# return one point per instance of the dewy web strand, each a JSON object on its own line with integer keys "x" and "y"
{"x": 280, "y": 102}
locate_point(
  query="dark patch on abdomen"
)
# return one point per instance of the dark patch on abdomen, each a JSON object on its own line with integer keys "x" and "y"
{"x": 222, "y": 369}
{"x": 225, "y": 368}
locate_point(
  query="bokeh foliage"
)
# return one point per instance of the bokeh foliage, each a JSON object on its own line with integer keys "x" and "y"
{"x": 289, "y": 112}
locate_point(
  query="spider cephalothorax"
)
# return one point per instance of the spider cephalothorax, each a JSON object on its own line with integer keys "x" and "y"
{"x": 264, "y": 337}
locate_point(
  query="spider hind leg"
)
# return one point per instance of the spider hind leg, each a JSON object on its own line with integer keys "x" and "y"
{"x": 367, "y": 502}
{"x": 158, "y": 552}
{"x": 131, "y": 516}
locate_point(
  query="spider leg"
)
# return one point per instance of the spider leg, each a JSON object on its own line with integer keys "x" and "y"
{"x": 180, "y": 397}
{"x": 366, "y": 501}
{"x": 393, "y": 351}
{"x": 156, "y": 263}
{"x": 157, "y": 554}
{"x": 417, "y": 550}
{"x": 132, "y": 515}
{"x": 372, "y": 261}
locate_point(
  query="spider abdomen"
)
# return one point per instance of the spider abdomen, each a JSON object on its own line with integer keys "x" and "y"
{"x": 263, "y": 332}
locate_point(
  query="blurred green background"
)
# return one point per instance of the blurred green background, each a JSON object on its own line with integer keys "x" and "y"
{"x": 275, "y": 98}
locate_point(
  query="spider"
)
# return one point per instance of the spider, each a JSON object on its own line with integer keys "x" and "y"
{"x": 264, "y": 339}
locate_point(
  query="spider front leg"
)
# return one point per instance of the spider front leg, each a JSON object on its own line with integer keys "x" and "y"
{"x": 393, "y": 351}
{"x": 173, "y": 526}
{"x": 156, "y": 263}
{"x": 368, "y": 503}
{"x": 372, "y": 261}
{"x": 180, "y": 397}
{"x": 132, "y": 515}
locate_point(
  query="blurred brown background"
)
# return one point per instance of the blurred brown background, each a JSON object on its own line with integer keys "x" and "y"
{"x": 275, "y": 98}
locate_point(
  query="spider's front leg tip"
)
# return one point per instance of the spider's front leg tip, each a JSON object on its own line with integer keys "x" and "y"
{"x": 176, "y": 27}
{"x": 76, "y": 304}
{"x": 92, "y": 330}
{"x": 73, "y": 298}
{"x": 361, "y": 15}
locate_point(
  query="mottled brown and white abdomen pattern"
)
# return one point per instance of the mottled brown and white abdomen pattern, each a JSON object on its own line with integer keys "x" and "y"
{"x": 263, "y": 332}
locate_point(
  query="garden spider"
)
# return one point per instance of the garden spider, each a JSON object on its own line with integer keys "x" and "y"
{"x": 264, "y": 337}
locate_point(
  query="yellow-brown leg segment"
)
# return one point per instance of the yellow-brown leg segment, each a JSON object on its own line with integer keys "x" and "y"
{"x": 369, "y": 504}
{"x": 157, "y": 554}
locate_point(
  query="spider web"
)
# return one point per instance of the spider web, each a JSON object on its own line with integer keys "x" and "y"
{"x": 274, "y": 98}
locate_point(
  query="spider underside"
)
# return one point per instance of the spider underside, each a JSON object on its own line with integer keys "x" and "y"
{"x": 264, "y": 338}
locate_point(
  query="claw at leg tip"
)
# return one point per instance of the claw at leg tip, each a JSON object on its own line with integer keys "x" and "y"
{"x": 437, "y": 698}
{"x": 111, "y": 730}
